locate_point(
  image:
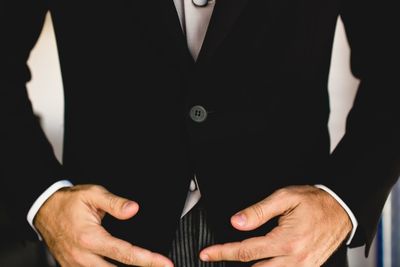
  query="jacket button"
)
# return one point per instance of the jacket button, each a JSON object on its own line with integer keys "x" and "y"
{"x": 198, "y": 114}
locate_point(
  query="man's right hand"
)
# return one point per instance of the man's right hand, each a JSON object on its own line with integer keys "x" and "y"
{"x": 70, "y": 223}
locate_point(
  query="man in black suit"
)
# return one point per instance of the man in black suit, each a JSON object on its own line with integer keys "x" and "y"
{"x": 239, "y": 107}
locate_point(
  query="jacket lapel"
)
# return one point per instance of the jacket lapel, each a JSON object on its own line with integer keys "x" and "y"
{"x": 225, "y": 14}
{"x": 171, "y": 23}
{"x": 170, "y": 19}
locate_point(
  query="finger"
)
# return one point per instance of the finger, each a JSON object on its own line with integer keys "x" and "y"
{"x": 274, "y": 262}
{"x": 258, "y": 214}
{"x": 255, "y": 248}
{"x": 94, "y": 260}
{"x": 124, "y": 252}
{"x": 120, "y": 208}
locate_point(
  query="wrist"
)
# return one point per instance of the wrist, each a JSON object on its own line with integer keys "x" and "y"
{"x": 350, "y": 214}
{"x": 48, "y": 209}
{"x": 341, "y": 217}
{"x": 42, "y": 199}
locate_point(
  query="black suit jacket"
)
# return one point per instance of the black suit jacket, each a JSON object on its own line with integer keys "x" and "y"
{"x": 129, "y": 83}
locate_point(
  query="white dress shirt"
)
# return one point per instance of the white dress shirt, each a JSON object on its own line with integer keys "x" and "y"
{"x": 194, "y": 22}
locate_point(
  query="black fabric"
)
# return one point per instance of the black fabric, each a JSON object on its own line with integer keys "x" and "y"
{"x": 193, "y": 234}
{"x": 129, "y": 83}
{"x": 23, "y": 254}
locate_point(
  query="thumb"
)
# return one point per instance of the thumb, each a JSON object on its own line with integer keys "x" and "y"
{"x": 260, "y": 213}
{"x": 118, "y": 207}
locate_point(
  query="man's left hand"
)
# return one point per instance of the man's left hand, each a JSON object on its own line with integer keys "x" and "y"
{"x": 312, "y": 225}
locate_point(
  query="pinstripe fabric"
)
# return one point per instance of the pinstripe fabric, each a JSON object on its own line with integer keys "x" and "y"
{"x": 192, "y": 235}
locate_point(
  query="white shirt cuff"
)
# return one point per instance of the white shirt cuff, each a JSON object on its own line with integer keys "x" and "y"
{"x": 42, "y": 199}
{"x": 345, "y": 207}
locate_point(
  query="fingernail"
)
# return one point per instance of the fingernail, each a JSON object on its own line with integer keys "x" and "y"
{"x": 129, "y": 205}
{"x": 240, "y": 219}
{"x": 204, "y": 257}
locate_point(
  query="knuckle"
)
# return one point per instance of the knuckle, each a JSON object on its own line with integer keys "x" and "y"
{"x": 258, "y": 253}
{"x": 115, "y": 251}
{"x": 283, "y": 192}
{"x": 245, "y": 254}
{"x": 97, "y": 188}
{"x": 85, "y": 240}
{"x": 303, "y": 258}
{"x": 218, "y": 253}
{"x": 75, "y": 256}
{"x": 258, "y": 211}
{"x": 287, "y": 193}
{"x": 113, "y": 202}
{"x": 298, "y": 246}
{"x": 288, "y": 248}
{"x": 81, "y": 262}
{"x": 128, "y": 258}
{"x": 292, "y": 247}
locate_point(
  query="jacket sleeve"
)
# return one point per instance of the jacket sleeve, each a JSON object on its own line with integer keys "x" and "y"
{"x": 28, "y": 165}
{"x": 366, "y": 163}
